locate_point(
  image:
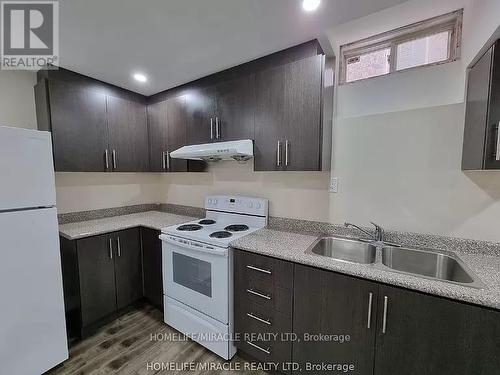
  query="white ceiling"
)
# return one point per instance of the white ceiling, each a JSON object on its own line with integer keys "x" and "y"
{"x": 176, "y": 41}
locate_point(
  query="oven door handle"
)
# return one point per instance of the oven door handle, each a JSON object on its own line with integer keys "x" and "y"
{"x": 187, "y": 244}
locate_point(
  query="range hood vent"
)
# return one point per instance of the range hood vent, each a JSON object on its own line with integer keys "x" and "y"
{"x": 240, "y": 151}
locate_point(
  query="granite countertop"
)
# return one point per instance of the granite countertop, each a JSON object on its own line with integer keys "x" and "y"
{"x": 292, "y": 246}
{"x": 149, "y": 219}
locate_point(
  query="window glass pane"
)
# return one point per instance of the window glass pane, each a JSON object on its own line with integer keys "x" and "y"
{"x": 423, "y": 51}
{"x": 368, "y": 65}
{"x": 192, "y": 273}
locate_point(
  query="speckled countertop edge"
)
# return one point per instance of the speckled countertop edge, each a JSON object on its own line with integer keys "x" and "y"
{"x": 149, "y": 219}
{"x": 292, "y": 247}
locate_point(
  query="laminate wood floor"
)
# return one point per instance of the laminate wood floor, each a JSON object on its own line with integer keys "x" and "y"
{"x": 126, "y": 346}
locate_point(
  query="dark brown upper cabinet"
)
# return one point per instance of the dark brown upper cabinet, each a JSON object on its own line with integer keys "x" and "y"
{"x": 128, "y": 135}
{"x": 200, "y": 106}
{"x": 288, "y": 116}
{"x": 77, "y": 118}
{"x": 481, "y": 149}
{"x": 167, "y": 132}
{"x": 235, "y": 114}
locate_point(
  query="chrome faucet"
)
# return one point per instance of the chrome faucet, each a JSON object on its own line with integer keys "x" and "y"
{"x": 379, "y": 231}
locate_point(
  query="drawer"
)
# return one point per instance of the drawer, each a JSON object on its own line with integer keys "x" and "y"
{"x": 250, "y": 317}
{"x": 275, "y": 352}
{"x": 273, "y": 272}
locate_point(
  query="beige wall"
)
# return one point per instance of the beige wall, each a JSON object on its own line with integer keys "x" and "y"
{"x": 291, "y": 194}
{"x": 17, "y": 103}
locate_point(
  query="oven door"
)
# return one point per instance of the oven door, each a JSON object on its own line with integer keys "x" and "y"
{"x": 197, "y": 275}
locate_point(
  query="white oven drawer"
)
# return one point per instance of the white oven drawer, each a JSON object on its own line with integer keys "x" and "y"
{"x": 206, "y": 331}
{"x": 197, "y": 277}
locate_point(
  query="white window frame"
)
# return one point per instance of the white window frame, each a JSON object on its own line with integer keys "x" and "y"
{"x": 451, "y": 22}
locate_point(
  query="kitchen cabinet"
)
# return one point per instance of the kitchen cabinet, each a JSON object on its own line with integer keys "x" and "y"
{"x": 96, "y": 269}
{"x": 167, "y": 132}
{"x": 288, "y": 116}
{"x": 481, "y": 147}
{"x": 77, "y": 118}
{"x": 327, "y": 303}
{"x": 234, "y": 118}
{"x": 128, "y": 135}
{"x": 263, "y": 307}
{"x": 430, "y": 335}
{"x": 128, "y": 267}
{"x": 152, "y": 266}
{"x": 200, "y": 115}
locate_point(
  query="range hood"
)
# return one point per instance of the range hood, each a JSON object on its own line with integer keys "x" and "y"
{"x": 236, "y": 150}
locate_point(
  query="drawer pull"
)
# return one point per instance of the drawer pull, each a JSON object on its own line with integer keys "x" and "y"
{"x": 268, "y": 272}
{"x": 268, "y": 322}
{"x": 267, "y": 351}
{"x": 265, "y": 296}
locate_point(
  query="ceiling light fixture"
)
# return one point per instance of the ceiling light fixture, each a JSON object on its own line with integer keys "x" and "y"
{"x": 140, "y": 77}
{"x": 310, "y": 5}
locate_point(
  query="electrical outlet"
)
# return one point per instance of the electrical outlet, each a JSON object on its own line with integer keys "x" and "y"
{"x": 334, "y": 185}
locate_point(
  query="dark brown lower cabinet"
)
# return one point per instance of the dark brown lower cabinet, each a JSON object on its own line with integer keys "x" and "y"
{"x": 335, "y": 321}
{"x": 96, "y": 268}
{"x": 431, "y": 335}
{"x": 128, "y": 267}
{"x": 152, "y": 266}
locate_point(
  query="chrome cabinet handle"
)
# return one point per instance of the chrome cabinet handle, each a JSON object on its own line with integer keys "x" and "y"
{"x": 110, "y": 248}
{"x": 259, "y": 269}
{"x": 167, "y": 156}
{"x": 265, "y": 296}
{"x": 265, "y": 321}
{"x": 119, "y": 246}
{"x": 211, "y": 128}
{"x": 497, "y": 152}
{"x": 370, "y": 300}
{"x": 384, "y": 318}
{"x": 113, "y": 154}
{"x": 267, "y": 351}
{"x": 163, "y": 160}
{"x": 278, "y": 156}
{"x": 106, "y": 156}
{"x": 287, "y": 153}
{"x": 217, "y": 128}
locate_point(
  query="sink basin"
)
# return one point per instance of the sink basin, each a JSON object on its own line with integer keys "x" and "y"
{"x": 344, "y": 249}
{"x": 445, "y": 267}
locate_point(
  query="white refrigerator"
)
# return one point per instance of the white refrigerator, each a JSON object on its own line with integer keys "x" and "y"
{"x": 32, "y": 322}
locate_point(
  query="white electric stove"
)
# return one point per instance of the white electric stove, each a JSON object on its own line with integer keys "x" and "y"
{"x": 198, "y": 272}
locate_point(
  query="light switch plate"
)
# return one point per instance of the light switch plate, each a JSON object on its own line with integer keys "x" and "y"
{"x": 334, "y": 185}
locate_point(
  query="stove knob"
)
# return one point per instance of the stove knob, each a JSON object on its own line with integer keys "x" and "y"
{"x": 209, "y": 201}
{"x": 250, "y": 205}
{"x": 215, "y": 202}
{"x": 257, "y": 206}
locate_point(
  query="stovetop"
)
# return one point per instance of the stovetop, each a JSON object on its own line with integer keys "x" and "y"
{"x": 227, "y": 218}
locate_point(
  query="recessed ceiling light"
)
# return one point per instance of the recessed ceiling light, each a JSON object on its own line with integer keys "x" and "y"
{"x": 310, "y": 5}
{"x": 140, "y": 77}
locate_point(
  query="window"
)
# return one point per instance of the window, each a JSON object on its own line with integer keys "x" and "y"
{"x": 434, "y": 41}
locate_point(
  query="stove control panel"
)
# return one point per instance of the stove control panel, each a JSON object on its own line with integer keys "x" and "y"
{"x": 237, "y": 204}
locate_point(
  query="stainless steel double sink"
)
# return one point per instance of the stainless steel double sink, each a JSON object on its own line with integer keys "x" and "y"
{"x": 433, "y": 264}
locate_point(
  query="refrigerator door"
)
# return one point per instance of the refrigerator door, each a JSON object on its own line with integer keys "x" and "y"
{"x": 32, "y": 325}
{"x": 26, "y": 169}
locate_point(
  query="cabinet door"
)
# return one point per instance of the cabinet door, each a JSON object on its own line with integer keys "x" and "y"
{"x": 332, "y": 304}
{"x": 492, "y": 157}
{"x": 235, "y": 109}
{"x": 200, "y": 115}
{"x": 302, "y": 115}
{"x": 177, "y": 132}
{"x": 128, "y": 135}
{"x": 431, "y": 335}
{"x": 476, "y": 115}
{"x": 128, "y": 266}
{"x": 152, "y": 266}
{"x": 158, "y": 135}
{"x": 97, "y": 278}
{"x": 78, "y": 122}
{"x": 269, "y": 118}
